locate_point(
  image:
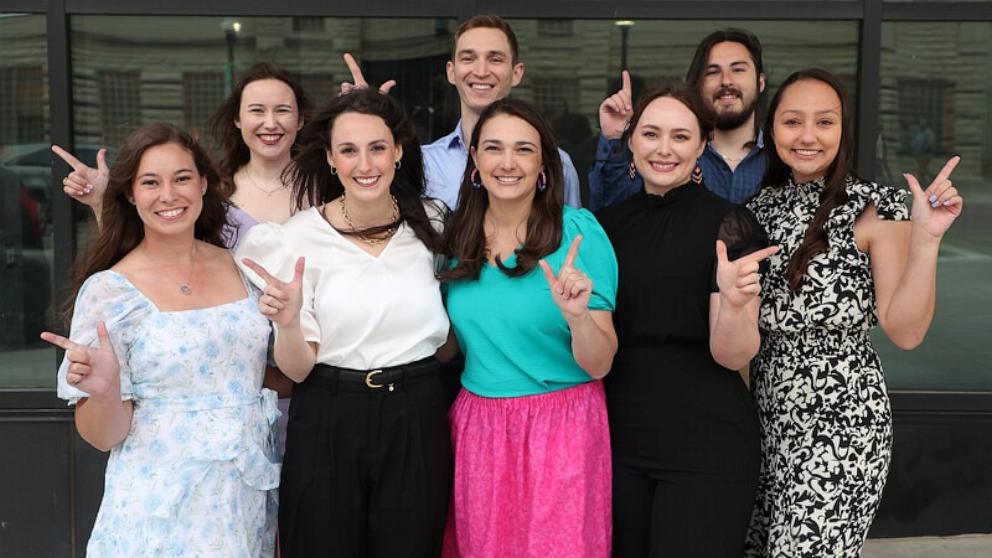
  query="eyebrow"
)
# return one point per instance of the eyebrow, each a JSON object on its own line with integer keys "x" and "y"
{"x": 734, "y": 63}
{"x": 262, "y": 105}
{"x": 653, "y": 127}
{"x": 351, "y": 143}
{"x": 835, "y": 110}
{"x": 518, "y": 143}
{"x": 488, "y": 53}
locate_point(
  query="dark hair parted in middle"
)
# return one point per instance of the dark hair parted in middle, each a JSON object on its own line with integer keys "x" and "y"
{"x": 465, "y": 237}
{"x": 314, "y": 184}
{"x": 778, "y": 174}
{"x": 122, "y": 228}
{"x": 228, "y": 136}
{"x": 697, "y": 69}
{"x": 680, "y": 93}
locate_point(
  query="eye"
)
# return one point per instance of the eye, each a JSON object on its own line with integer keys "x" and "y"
{"x": 649, "y": 134}
{"x": 378, "y": 147}
{"x": 826, "y": 122}
{"x": 346, "y": 150}
{"x": 183, "y": 178}
{"x": 681, "y": 137}
{"x": 492, "y": 149}
{"x": 712, "y": 71}
{"x": 466, "y": 59}
{"x": 256, "y": 110}
{"x": 496, "y": 59}
{"x": 149, "y": 182}
{"x": 526, "y": 150}
{"x": 791, "y": 122}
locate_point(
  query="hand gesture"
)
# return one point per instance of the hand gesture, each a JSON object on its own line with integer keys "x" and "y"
{"x": 280, "y": 301}
{"x": 94, "y": 370}
{"x": 571, "y": 289}
{"x": 616, "y": 110}
{"x": 936, "y": 208}
{"x": 85, "y": 184}
{"x": 358, "y": 80}
{"x": 738, "y": 280}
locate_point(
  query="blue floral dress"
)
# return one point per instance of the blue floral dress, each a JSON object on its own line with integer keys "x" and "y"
{"x": 198, "y": 471}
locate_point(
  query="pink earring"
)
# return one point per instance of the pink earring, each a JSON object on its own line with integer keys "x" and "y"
{"x": 474, "y": 178}
{"x": 697, "y": 175}
{"x": 542, "y": 181}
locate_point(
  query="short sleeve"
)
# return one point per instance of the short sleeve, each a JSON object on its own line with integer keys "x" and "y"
{"x": 743, "y": 234}
{"x": 890, "y": 203}
{"x": 268, "y": 245}
{"x": 109, "y": 297}
{"x": 438, "y": 214}
{"x": 595, "y": 258}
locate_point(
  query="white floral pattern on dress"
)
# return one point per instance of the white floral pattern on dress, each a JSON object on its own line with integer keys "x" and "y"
{"x": 198, "y": 471}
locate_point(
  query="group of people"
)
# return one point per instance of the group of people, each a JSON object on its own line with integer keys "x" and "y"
{"x": 604, "y": 407}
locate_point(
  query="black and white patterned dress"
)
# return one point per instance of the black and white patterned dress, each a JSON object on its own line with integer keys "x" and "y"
{"x": 826, "y": 425}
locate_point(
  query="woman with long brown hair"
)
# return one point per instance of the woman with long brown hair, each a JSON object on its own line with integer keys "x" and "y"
{"x": 165, "y": 362}
{"x": 530, "y": 293}
{"x": 850, "y": 260}
{"x": 350, "y": 288}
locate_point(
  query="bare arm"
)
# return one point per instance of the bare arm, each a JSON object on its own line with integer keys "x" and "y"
{"x": 904, "y": 257}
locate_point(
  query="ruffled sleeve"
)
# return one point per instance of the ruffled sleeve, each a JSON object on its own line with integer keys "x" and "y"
{"x": 890, "y": 203}
{"x": 595, "y": 258}
{"x": 268, "y": 245}
{"x": 109, "y": 297}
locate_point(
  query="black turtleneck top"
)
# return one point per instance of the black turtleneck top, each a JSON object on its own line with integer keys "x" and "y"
{"x": 670, "y": 403}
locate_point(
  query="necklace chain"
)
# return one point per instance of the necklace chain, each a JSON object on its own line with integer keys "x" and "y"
{"x": 730, "y": 159}
{"x": 372, "y": 240}
{"x": 185, "y": 287}
{"x": 254, "y": 183}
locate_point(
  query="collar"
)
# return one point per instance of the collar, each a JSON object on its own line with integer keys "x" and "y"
{"x": 673, "y": 196}
{"x": 455, "y": 138}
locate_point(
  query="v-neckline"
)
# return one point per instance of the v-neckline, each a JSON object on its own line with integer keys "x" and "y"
{"x": 323, "y": 218}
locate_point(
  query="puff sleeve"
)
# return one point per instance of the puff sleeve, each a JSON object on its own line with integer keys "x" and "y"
{"x": 595, "y": 258}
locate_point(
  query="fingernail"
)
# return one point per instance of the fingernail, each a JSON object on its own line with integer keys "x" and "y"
{"x": 948, "y": 202}
{"x": 933, "y": 198}
{"x": 934, "y": 204}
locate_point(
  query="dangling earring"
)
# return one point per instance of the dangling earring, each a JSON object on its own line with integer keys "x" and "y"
{"x": 632, "y": 171}
{"x": 334, "y": 171}
{"x": 399, "y": 164}
{"x": 697, "y": 175}
{"x": 542, "y": 181}
{"x": 474, "y": 178}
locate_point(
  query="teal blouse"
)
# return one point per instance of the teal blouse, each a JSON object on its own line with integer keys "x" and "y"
{"x": 514, "y": 338}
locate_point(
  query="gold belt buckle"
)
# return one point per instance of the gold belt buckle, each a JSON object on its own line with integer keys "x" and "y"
{"x": 368, "y": 379}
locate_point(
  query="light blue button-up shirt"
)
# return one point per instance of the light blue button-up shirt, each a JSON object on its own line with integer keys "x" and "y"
{"x": 444, "y": 166}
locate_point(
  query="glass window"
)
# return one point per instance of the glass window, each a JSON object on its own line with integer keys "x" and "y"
{"x": 936, "y": 101}
{"x": 26, "y": 303}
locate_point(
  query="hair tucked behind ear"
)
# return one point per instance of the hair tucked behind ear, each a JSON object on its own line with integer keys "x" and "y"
{"x": 834, "y": 194}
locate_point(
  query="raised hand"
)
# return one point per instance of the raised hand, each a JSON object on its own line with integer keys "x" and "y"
{"x": 616, "y": 110}
{"x": 94, "y": 370}
{"x": 280, "y": 301}
{"x": 738, "y": 280}
{"x": 936, "y": 208}
{"x": 571, "y": 289}
{"x": 358, "y": 80}
{"x": 85, "y": 183}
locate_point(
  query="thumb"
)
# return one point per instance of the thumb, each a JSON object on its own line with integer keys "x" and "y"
{"x": 721, "y": 252}
{"x": 103, "y": 335}
{"x": 385, "y": 87}
{"x": 101, "y": 160}
{"x": 301, "y": 263}
{"x": 548, "y": 273}
{"x": 914, "y": 186}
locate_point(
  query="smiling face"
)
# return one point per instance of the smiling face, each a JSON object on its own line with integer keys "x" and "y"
{"x": 482, "y": 69}
{"x": 808, "y": 126}
{"x": 168, "y": 190}
{"x": 509, "y": 158}
{"x": 731, "y": 84}
{"x": 364, "y": 154}
{"x": 666, "y": 143}
{"x": 268, "y": 118}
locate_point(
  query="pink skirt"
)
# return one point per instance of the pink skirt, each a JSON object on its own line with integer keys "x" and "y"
{"x": 532, "y": 476}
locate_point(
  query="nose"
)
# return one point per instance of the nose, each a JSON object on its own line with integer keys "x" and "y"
{"x": 480, "y": 68}
{"x": 725, "y": 77}
{"x": 168, "y": 192}
{"x": 664, "y": 146}
{"x": 270, "y": 119}
{"x": 364, "y": 162}
{"x": 808, "y": 135}
{"x": 507, "y": 161}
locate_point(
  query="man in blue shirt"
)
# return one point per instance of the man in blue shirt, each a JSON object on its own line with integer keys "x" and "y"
{"x": 483, "y": 68}
{"x": 726, "y": 72}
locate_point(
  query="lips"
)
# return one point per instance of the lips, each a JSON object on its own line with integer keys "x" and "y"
{"x": 481, "y": 86}
{"x": 727, "y": 95}
{"x": 508, "y": 180}
{"x": 806, "y": 154}
{"x": 663, "y": 166}
{"x": 367, "y": 181}
{"x": 270, "y": 139}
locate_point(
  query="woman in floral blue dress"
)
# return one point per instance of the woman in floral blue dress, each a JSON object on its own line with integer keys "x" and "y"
{"x": 165, "y": 364}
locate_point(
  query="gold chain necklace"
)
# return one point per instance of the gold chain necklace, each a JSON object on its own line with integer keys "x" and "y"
{"x": 372, "y": 240}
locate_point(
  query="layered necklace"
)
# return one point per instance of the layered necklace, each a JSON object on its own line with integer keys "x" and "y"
{"x": 377, "y": 237}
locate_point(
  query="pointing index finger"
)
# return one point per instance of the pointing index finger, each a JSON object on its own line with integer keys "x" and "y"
{"x": 947, "y": 170}
{"x": 356, "y": 71}
{"x": 265, "y": 275}
{"x": 625, "y": 77}
{"x": 73, "y": 162}
{"x": 59, "y": 341}
{"x": 760, "y": 254}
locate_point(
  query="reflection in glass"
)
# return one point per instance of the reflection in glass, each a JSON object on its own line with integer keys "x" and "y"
{"x": 936, "y": 101}
{"x": 25, "y": 205}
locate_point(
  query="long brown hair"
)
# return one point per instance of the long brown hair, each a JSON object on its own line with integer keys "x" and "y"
{"x": 314, "y": 184}
{"x": 834, "y": 194}
{"x": 465, "y": 236}
{"x": 235, "y": 153}
{"x": 121, "y": 228}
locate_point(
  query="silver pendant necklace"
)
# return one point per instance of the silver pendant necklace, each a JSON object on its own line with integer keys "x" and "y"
{"x": 184, "y": 287}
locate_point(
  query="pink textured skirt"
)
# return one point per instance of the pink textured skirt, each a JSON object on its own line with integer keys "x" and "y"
{"x": 532, "y": 476}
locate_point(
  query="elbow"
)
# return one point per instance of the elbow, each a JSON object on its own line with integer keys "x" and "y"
{"x": 598, "y": 369}
{"x": 908, "y": 341}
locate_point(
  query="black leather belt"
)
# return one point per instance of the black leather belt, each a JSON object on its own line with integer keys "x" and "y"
{"x": 378, "y": 378}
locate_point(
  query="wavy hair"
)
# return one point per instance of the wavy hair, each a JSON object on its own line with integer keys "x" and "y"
{"x": 121, "y": 227}
{"x": 314, "y": 184}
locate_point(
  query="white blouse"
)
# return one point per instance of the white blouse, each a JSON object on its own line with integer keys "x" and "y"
{"x": 363, "y": 311}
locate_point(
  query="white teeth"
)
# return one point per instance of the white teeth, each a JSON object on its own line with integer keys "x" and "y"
{"x": 808, "y": 152}
{"x": 171, "y": 213}
{"x": 270, "y": 137}
{"x": 481, "y": 86}
{"x": 507, "y": 179}
{"x": 664, "y": 166}
{"x": 366, "y": 181}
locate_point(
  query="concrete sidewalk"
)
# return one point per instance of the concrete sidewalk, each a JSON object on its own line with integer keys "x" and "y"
{"x": 962, "y": 546}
